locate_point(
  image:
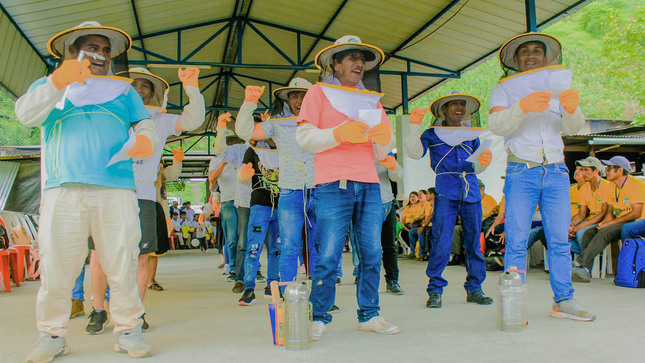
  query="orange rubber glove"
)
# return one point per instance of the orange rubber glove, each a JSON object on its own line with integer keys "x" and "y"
{"x": 247, "y": 171}
{"x": 380, "y": 134}
{"x": 178, "y": 154}
{"x": 389, "y": 162}
{"x": 569, "y": 100}
{"x": 253, "y": 93}
{"x": 189, "y": 76}
{"x": 416, "y": 116}
{"x": 223, "y": 119}
{"x": 535, "y": 102}
{"x": 142, "y": 148}
{"x": 71, "y": 71}
{"x": 485, "y": 158}
{"x": 354, "y": 132}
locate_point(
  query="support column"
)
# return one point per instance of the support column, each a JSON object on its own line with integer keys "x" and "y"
{"x": 531, "y": 19}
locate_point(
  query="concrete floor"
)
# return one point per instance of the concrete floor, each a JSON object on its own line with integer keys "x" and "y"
{"x": 197, "y": 319}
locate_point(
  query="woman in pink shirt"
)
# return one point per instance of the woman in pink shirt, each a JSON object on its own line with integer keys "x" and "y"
{"x": 346, "y": 182}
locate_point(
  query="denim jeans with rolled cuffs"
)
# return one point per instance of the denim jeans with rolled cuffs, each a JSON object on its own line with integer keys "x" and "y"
{"x": 263, "y": 222}
{"x": 337, "y": 204}
{"x": 229, "y": 225}
{"x": 295, "y": 208}
{"x": 547, "y": 187}
{"x": 443, "y": 225}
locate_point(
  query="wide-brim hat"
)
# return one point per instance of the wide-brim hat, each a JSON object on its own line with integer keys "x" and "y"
{"x": 120, "y": 41}
{"x": 347, "y": 42}
{"x": 472, "y": 104}
{"x": 296, "y": 84}
{"x": 506, "y": 53}
{"x": 160, "y": 85}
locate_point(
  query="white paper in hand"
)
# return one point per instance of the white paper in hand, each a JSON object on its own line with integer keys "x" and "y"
{"x": 485, "y": 145}
{"x": 559, "y": 81}
{"x": 370, "y": 117}
{"x": 123, "y": 153}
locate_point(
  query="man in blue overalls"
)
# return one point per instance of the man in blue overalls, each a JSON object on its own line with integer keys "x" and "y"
{"x": 451, "y": 141}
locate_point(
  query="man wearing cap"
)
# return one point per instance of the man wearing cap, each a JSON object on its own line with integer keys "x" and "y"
{"x": 627, "y": 196}
{"x": 530, "y": 109}
{"x": 457, "y": 190}
{"x": 347, "y": 184}
{"x": 296, "y": 204}
{"x": 154, "y": 92}
{"x": 84, "y": 193}
{"x": 594, "y": 201}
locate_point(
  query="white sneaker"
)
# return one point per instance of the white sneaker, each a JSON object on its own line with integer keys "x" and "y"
{"x": 132, "y": 342}
{"x": 379, "y": 325}
{"x": 318, "y": 328}
{"x": 47, "y": 349}
{"x": 570, "y": 309}
{"x": 226, "y": 270}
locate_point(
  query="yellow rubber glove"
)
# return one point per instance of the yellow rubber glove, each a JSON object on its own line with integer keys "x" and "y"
{"x": 178, "y": 154}
{"x": 380, "y": 134}
{"x": 71, "y": 71}
{"x": 223, "y": 119}
{"x": 485, "y": 158}
{"x": 189, "y": 76}
{"x": 389, "y": 162}
{"x": 416, "y": 116}
{"x": 142, "y": 148}
{"x": 252, "y": 93}
{"x": 569, "y": 100}
{"x": 247, "y": 171}
{"x": 535, "y": 102}
{"x": 354, "y": 132}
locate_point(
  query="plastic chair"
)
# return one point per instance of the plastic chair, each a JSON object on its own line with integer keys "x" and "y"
{"x": 4, "y": 267}
{"x": 22, "y": 260}
{"x": 603, "y": 263}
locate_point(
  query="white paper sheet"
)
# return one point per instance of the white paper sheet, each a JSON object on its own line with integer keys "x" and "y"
{"x": 485, "y": 145}
{"x": 370, "y": 117}
{"x": 123, "y": 153}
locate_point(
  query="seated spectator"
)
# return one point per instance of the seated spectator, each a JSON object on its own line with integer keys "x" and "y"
{"x": 593, "y": 203}
{"x": 176, "y": 224}
{"x": 627, "y": 195}
{"x": 187, "y": 229}
{"x": 424, "y": 232}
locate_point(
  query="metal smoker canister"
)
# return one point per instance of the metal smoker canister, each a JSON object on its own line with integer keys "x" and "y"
{"x": 298, "y": 317}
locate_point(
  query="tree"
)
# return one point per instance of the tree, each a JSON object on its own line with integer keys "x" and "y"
{"x": 12, "y": 132}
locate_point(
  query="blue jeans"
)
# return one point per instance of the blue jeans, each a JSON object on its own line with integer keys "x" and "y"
{"x": 229, "y": 225}
{"x": 443, "y": 225}
{"x": 536, "y": 234}
{"x": 78, "y": 293}
{"x": 336, "y": 208}
{"x": 263, "y": 221}
{"x": 548, "y": 187}
{"x": 242, "y": 229}
{"x": 414, "y": 237}
{"x": 576, "y": 242}
{"x": 386, "y": 210}
{"x": 633, "y": 230}
{"x": 295, "y": 208}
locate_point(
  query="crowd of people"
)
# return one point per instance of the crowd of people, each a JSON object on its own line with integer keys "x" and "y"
{"x": 303, "y": 180}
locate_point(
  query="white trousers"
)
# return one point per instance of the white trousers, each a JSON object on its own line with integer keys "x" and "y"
{"x": 68, "y": 216}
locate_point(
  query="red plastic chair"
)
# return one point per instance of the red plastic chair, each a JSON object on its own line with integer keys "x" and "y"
{"x": 22, "y": 260}
{"x": 8, "y": 262}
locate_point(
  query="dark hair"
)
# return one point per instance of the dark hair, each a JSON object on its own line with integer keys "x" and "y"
{"x": 432, "y": 191}
{"x": 182, "y": 212}
{"x": 423, "y": 191}
{"x": 152, "y": 86}
{"x": 338, "y": 57}
{"x": 540, "y": 43}
{"x": 415, "y": 193}
{"x": 174, "y": 214}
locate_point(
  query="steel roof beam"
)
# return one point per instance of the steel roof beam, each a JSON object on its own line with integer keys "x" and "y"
{"x": 136, "y": 21}
{"x": 269, "y": 42}
{"x": 531, "y": 17}
{"x": 207, "y": 41}
{"x": 23, "y": 35}
{"x": 182, "y": 28}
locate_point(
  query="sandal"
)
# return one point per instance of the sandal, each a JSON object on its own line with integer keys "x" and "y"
{"x": 155, "y": 286}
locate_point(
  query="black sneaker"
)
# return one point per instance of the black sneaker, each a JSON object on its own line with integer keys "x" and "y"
{"x": 259, "y": 277}
{"x": 478, "y": 297}
{"x": 247, "y": 298}
{"x": 338, "y": 281}
{"x": 334, "y": 309}
{"x": 434, "y": 300}
{"x": 267, "y": 293}
{"x": 98, "y": 321}
{"x": 238, "y": 288}
{"x": 394, "y": 288}
{"x": 456, "y": 260}
{"x": 144, "y": 325}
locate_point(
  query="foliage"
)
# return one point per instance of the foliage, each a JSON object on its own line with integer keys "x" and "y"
{"x": 624, "y": 48}
{"x": 11, "y": 131}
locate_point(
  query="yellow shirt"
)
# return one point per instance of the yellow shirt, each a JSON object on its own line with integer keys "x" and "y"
{"x": 502, "y": 204}
{"x": 488, "y": 204}
{"x": 622, "y": 199}
{"x": 575, "y": 199}
{"x": 595, "y": 200}
{"x": 416, "y": 212}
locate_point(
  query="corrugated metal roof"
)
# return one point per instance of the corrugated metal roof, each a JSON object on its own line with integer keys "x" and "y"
{"x": 8, "y": 172}
{"x": 451, "y": 34}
